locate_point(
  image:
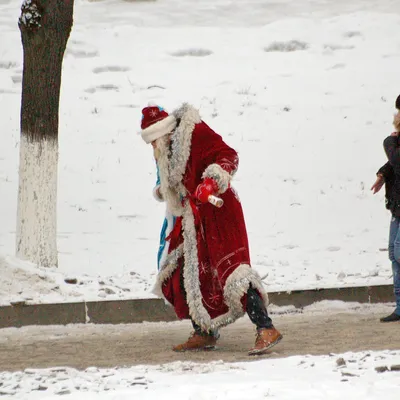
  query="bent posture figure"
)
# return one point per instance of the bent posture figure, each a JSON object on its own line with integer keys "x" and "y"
{"x": 205, "y": 270}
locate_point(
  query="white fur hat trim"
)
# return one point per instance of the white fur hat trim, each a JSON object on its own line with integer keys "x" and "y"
{"x": 159, "y": 129}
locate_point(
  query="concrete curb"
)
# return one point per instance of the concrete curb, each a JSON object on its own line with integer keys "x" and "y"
{"x": 155, "y": 310}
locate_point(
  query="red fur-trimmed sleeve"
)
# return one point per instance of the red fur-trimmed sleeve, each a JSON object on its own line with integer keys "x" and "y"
{"x": 220, "y": 160}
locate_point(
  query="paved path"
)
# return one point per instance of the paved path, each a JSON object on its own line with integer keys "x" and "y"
{"x": 82, "y": 346}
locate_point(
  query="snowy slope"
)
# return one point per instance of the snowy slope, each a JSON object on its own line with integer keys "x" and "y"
{"x": 308, "y": 125}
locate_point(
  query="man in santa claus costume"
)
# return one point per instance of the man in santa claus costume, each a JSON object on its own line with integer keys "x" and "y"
{"x": 205, "y": 271}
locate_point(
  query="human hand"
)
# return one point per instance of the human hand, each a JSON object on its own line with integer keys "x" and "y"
{"x": 206, "y": 189}
{"x": 377, "y": 186}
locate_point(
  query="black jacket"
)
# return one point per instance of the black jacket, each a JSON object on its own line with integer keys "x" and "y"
{"x": 391, "y": 174}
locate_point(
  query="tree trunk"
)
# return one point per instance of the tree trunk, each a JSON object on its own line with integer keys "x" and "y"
{"x": 45, "y": 26}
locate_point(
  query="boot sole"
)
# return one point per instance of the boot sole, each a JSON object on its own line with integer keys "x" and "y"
{"x": 259, "y": 352}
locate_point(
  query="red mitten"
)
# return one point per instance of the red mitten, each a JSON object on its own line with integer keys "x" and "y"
{"x": 205, "y": 189}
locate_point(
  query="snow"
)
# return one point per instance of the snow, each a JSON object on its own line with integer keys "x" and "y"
{"x": 299, "y": 377}
{"x": 24, "y": 281}
{"x": 308, "y": 124}
{"x": 30, "y": 15}
{"x": 351, "y": 375}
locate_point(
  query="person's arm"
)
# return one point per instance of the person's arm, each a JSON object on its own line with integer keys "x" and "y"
{"x": 385, "y": 171}
{"x": 222, "y": 162}
{"x": 392, "y": 150}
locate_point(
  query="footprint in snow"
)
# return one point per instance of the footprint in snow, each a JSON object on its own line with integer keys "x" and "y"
{"x": 16, "y": 78}
{"x": 102, "y": 88}
{"x": 286, "y": 47}
{"x": 333, "y": 248}
{"x": 192, "y": 52}
{"x": 351, "y": 34}
{"x": 129, "y": 217}
{"x": 6, "y": 91}
{"x": 7, "y": 64}
{"x": 110, "y": 68}
{"x": 337, "y": 66}
{"x": 334, "y": 47}
{"x": 290, "y": 246}
{"x": 82, "y": 53}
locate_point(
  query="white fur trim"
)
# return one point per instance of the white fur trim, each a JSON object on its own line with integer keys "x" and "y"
{"x": 171, "y": 196}
{"x": 166, "y": 269}
{"x": 191, "y": 280}
{"x": 181, "y": 141}
{"x": 173, "y": 159}
{"x": 236, "y": 286}
{"x": 157, "y": 195}
{"x": 172, "y": 166}
{"x": 220, "y": 176}
{"x": 159, "y": 129}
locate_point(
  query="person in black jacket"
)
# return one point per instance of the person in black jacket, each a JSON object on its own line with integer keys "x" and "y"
{"x": 389, "y": 175}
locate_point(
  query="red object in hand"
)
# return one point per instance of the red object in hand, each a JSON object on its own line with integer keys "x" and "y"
{"x": 206, "y": 189}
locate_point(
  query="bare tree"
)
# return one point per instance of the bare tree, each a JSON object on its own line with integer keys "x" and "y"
{"x": 45, "y": 27}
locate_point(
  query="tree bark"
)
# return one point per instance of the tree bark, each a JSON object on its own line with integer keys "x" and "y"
{"x": 45, "y": 27}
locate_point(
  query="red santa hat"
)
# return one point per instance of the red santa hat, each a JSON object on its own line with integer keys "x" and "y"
{"x": 156, "y": 122}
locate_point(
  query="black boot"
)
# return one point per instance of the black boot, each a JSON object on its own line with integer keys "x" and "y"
{"x": 257, "y": 311}
{"x": 391, "y": 318}
{"x": 199, "y": 331}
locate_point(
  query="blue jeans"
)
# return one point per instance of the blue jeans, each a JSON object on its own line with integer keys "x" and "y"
{"x": 394, "y": 256}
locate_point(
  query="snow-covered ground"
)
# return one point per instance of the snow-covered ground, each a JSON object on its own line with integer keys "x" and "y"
{"x": 366, "y": 375}
{"x": 304, "y": 90}
{"x": 335, "y": 376}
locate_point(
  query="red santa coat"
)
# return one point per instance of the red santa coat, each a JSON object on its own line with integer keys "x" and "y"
{"x": 207, "y": 271}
